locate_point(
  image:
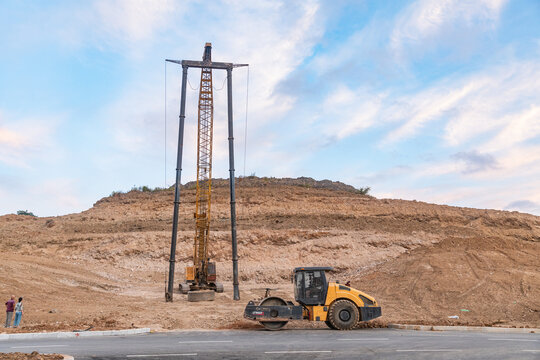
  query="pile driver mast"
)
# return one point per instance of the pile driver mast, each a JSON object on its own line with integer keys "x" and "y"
{"x": 202, "y": 275}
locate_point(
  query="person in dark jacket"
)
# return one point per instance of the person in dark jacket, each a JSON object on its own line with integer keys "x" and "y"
{"x": 10, "y": 306}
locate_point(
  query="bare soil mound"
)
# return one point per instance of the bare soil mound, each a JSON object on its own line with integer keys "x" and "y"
{"x": 32, "y": 356}
{"x": 106, "y": 267}
{"x": 483, "y": 281}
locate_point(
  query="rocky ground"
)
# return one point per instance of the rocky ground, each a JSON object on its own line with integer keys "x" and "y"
{"x": 32, "y": 356}
{"x": 105, "y": 268}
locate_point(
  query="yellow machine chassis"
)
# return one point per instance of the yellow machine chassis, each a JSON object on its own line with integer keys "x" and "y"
{"x": 320, "y": 312}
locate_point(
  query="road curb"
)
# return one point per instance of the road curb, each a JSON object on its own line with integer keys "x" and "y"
{"x": 63, "y": 335}
{"x": 464, "y": 328}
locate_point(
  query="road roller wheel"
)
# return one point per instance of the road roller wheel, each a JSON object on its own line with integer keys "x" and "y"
{"x": 273, "y": 325}
{"x": 343, "y": 315}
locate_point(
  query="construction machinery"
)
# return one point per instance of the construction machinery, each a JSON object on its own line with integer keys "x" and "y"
{"x": 200, "y": 278}
{"x": 341, "y": 307}
{"x": 202, "y": 274}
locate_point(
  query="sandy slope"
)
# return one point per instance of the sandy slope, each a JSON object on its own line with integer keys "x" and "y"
{"x": 105, "y": 267}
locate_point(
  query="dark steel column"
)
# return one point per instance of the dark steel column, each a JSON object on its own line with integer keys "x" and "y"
{"x": 236, "y": 291}
{"x": 172, "y": 258}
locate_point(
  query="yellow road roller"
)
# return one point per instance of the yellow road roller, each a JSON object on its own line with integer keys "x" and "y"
{"x": 341, "y": 307}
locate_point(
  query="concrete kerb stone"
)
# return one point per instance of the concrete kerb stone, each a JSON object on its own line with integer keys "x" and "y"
{"x": 63, "y": 335}
{"x": 465, "y": 328}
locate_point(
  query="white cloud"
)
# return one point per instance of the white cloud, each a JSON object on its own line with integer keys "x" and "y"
{"x": 502, "y": 179}
{"x": 29, "y": 155}
{"x": 501, "y": 99}
{"x": 520, "y": 127}
{"x": 428, "y": 24}
{"x": 427, "y": 106}
{"x": 127, "y": 27}
{"x": 49, "y": 197}
{"x": 11, "y": 138}
{"x": 504, "y": 95}
{"x": 273, "y": 37}
{"x": 346, "y": 112}
{"x": 346, "y": 51}
{"x": 517, "y": 162}
{"x": 524, "y": 206}
{"x": 498, "y": 97}
{"x": 134, "y": 20}
{"x": 521, "y": 193}
{"x": 62, "y": 192}
{"x": 23, "y": 140}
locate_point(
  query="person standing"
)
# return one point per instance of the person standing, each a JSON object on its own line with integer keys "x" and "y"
{"x": 10, "y": 306}
{"x": 18, "y": 313}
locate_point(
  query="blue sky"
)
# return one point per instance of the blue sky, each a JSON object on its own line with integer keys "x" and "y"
{"x": 437, "y": 101}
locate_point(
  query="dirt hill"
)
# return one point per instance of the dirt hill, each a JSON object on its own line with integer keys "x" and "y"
{"x": 106, "y": 267}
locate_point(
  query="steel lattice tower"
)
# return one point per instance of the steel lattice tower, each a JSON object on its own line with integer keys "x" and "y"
{"x": 204, "y": 167}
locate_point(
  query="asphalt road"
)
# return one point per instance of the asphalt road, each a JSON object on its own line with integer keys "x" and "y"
{"x": 291, "y": 344}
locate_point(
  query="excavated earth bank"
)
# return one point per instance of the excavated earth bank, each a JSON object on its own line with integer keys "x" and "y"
{"x": 106, "y": 267}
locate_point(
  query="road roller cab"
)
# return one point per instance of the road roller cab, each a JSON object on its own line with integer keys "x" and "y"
{"x": 310, "y": 286}
{"x": 340, "y": 307}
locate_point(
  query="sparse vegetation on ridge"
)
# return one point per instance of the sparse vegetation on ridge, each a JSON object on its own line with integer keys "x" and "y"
{"x": 25, "y": 212}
